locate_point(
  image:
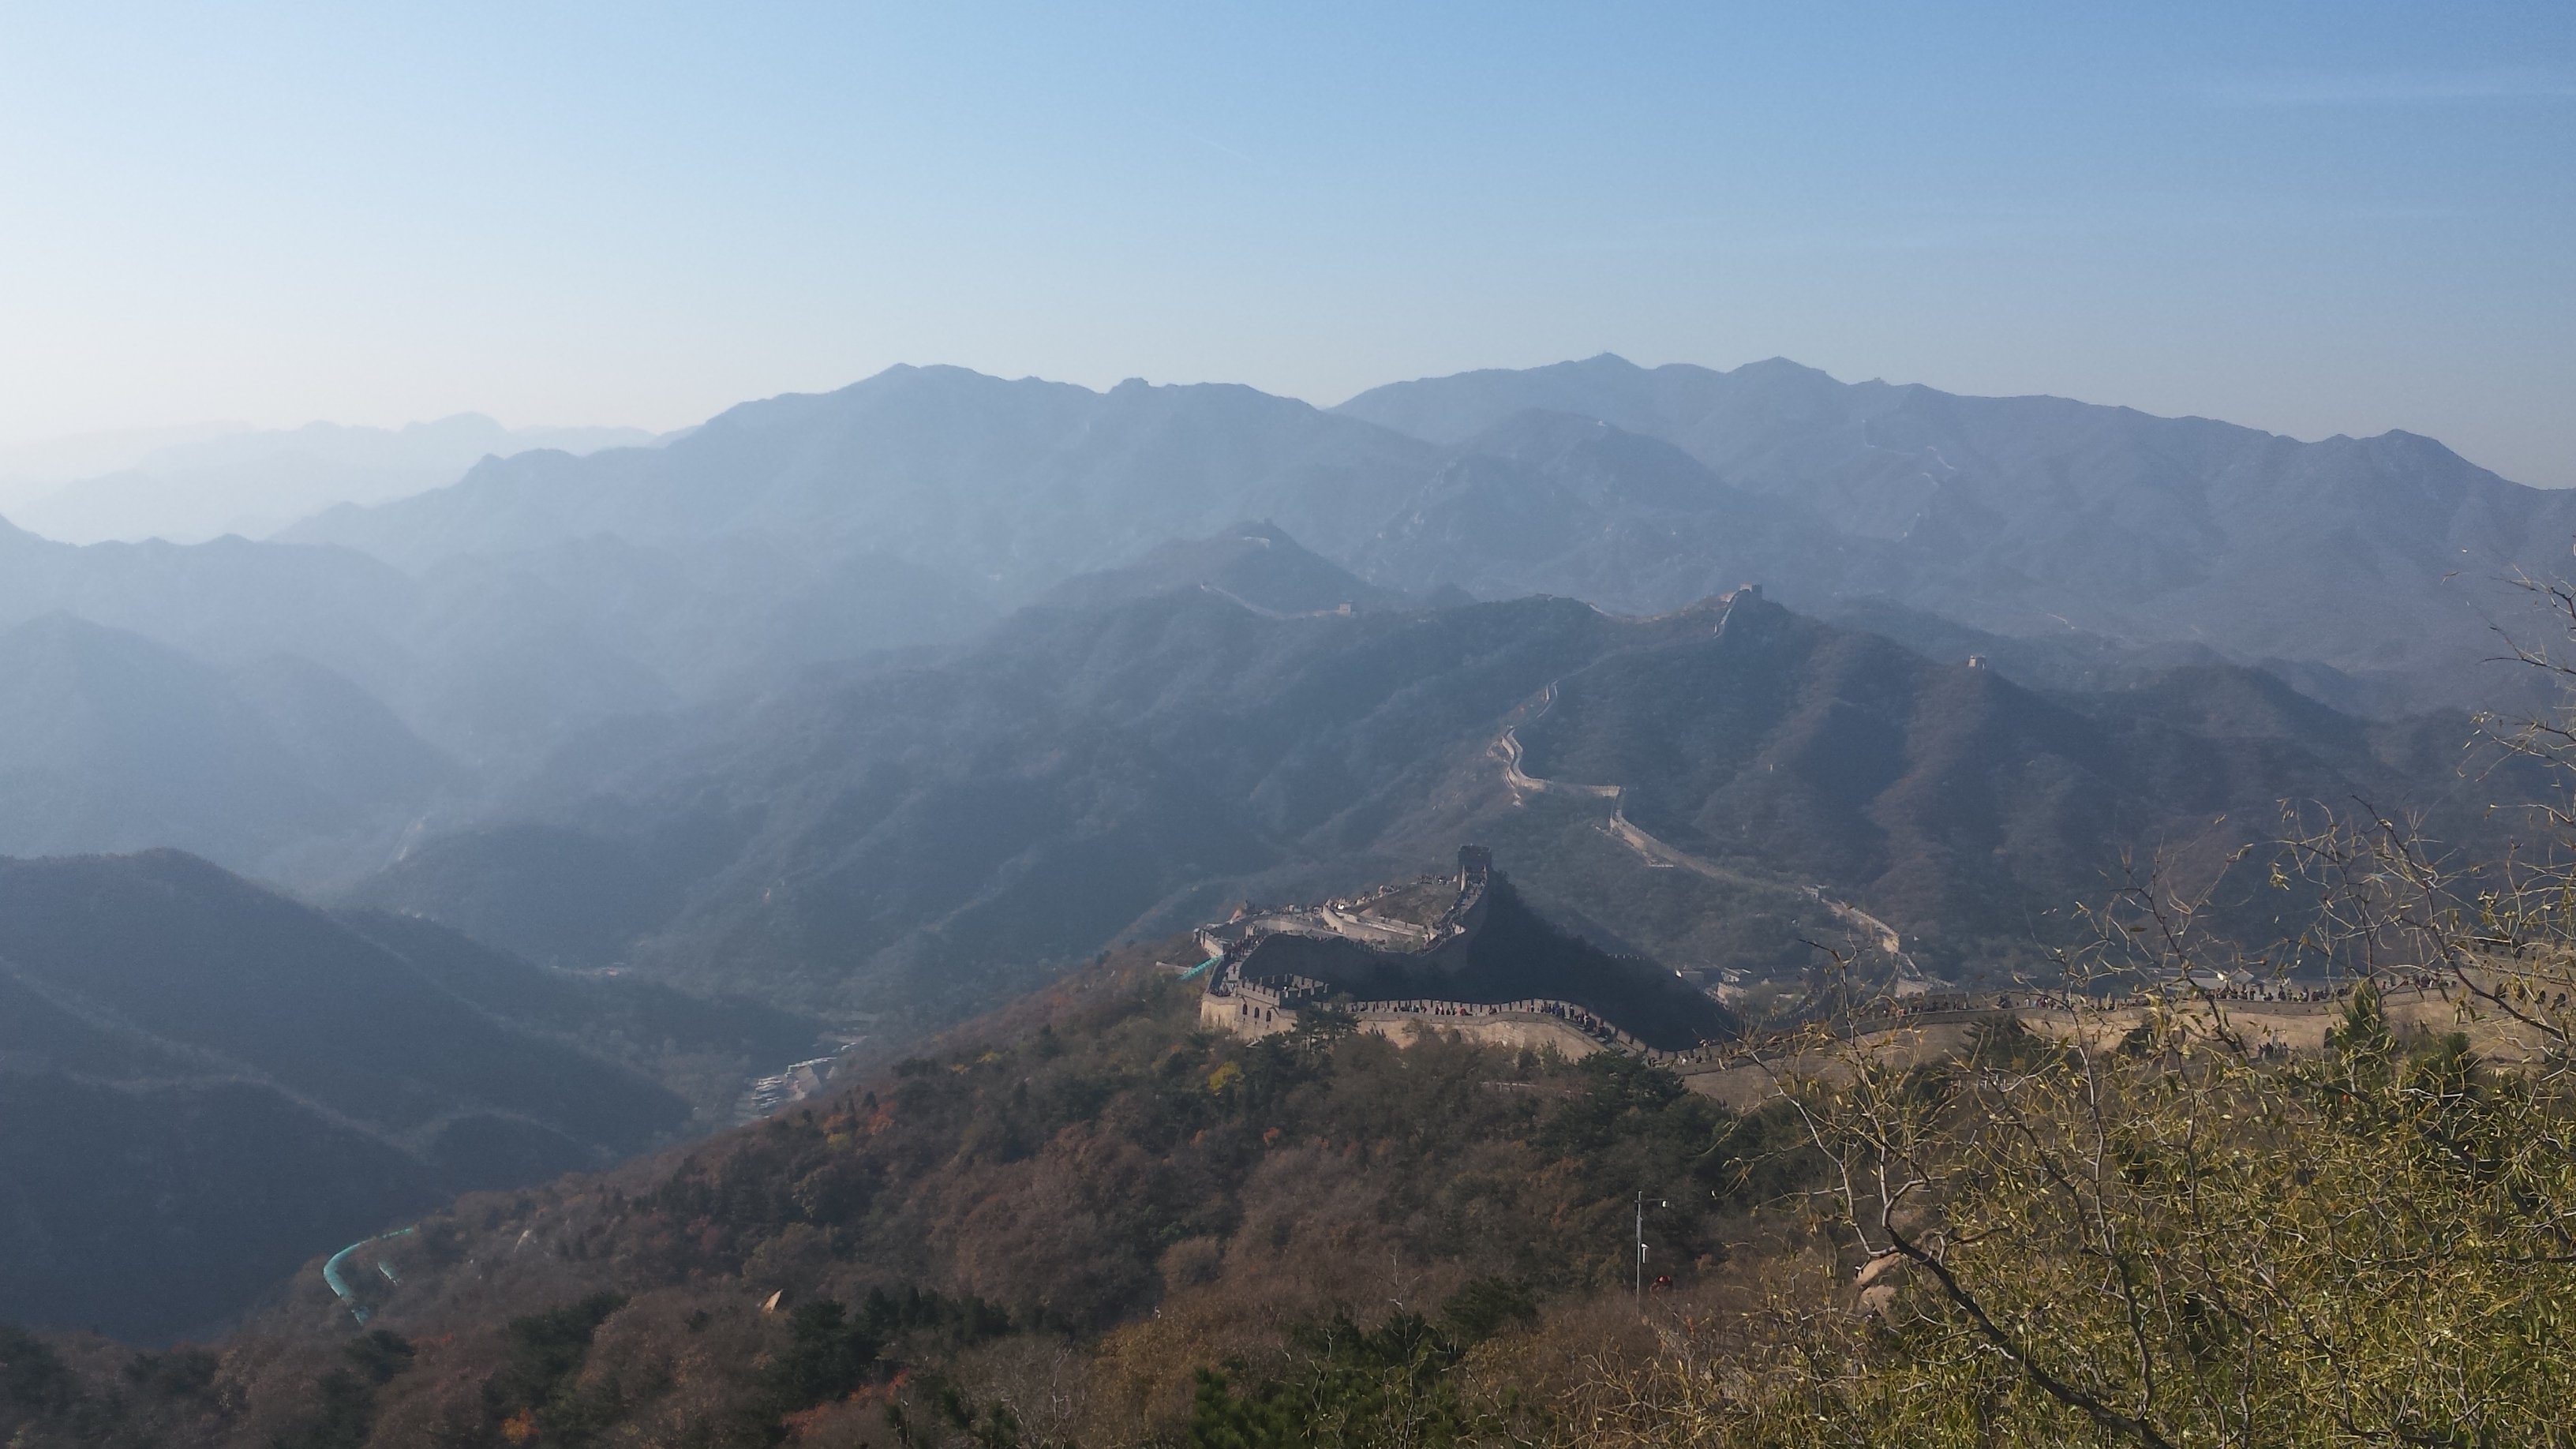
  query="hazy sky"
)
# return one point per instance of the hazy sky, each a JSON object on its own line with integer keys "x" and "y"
{"x": 2313, "y": 218}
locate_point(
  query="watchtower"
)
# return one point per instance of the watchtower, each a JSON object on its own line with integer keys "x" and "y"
{"x": 1475, "y": 866}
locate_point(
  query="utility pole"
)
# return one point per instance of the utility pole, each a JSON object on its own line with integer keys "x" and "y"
{"x": 1641, "y": 1250}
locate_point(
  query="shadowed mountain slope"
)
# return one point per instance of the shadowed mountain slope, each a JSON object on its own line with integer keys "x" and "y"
{"x": 157, "y": 991}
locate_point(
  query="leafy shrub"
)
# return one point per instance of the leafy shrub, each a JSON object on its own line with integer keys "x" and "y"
{"x": 534, "y": 1395}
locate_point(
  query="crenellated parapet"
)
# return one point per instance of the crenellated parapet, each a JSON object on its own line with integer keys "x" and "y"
{"x": 1256, "y": 1007}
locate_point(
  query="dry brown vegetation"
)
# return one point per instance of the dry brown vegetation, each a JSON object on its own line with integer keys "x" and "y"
{"x": 1069, "y": 1212}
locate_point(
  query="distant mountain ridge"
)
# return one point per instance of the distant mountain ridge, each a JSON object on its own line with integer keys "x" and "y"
{"x": 252, "y": 482}
{"x": 1635, "y": 489}
{"x": 1020, "y": 483}
{"x": 2026, "y": 515}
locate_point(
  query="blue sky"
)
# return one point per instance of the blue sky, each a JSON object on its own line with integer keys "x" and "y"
{"x": 2311, "y": 218}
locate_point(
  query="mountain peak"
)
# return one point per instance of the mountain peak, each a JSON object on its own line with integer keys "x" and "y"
{"x": 1781, "y": 367}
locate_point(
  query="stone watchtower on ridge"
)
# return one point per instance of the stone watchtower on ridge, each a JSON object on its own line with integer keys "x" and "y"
{"x": 1475, "y": 867}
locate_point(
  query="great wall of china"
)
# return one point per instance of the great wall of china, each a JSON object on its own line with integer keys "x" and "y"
{"x": 1663, "y": 855}
{"x": 1253, "y": 991}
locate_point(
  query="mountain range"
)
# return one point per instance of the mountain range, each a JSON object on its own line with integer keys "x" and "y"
{"x": 660, "y": 672}
{"x": 546, "y": 592}
{"x": 1636, "y": 489}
